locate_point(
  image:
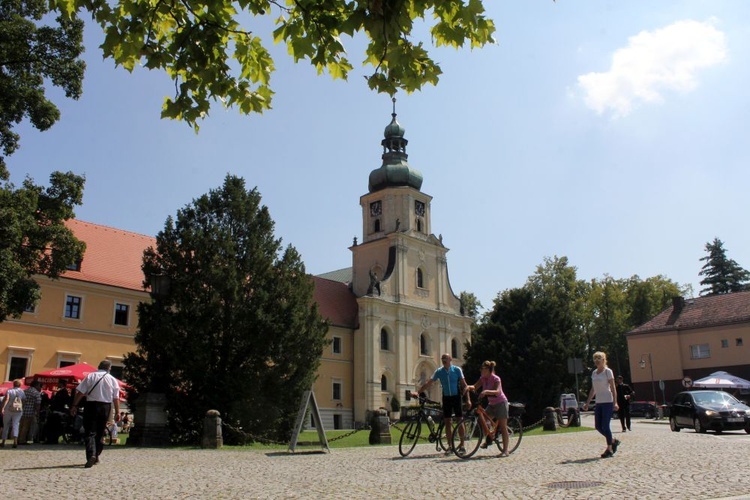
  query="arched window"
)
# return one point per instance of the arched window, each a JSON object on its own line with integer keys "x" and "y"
{"x": 423, "y": 348}
{"x": 454, "y": 349}
{"x": 419, "y": 225}
{"x": 383, "y": 383}
{"x": 420, "y": 278}
{"x": 384, "y": 339}
{"x": 377, "y": 225}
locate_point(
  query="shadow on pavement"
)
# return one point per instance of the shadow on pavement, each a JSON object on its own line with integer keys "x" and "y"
{"x": 580, "y": 461}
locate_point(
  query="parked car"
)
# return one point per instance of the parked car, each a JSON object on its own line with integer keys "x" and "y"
{"x": 708, "y": 410}
{"x": 645, "y": 409}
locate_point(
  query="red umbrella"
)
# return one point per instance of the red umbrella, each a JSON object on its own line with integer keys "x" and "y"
{"x": 9, "y": 385}
{"x": 72, "y": 375}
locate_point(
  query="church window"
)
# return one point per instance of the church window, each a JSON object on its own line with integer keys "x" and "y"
{"x": 384, "y": 339}
{"x": 420, "y": 278}
{"x": 419, "y": 225}
{"x": 423, "y": 347}
{"x": 376, "y": 229}
{"x": 383, "y": 383}
{"x": 454, "y": 349}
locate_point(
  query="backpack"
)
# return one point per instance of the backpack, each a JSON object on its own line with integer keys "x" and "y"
{"x": 17, "y": 404}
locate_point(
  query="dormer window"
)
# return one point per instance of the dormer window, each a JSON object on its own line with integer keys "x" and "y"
{"x": 75, "y": 266}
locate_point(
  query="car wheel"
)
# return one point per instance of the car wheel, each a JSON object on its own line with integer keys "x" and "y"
{"x": 648, "y": 415}
{"x": 673, "y": 425}
{"x": 747, "y": 429}
{"x": 697, "y": 426}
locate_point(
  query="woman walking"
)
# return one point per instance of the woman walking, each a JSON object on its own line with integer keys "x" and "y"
{"x": 12, "y": 409}
{"x": 604, "y": 389}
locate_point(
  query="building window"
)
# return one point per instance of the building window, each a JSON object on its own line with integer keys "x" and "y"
{"x": 31, "y": 309}
{"x": 65, "y": 358}
{"x": 376, "y": 229}
{"x": 121, "y": 314}
{"x": 423, "y": 348}
{"x": 117, "y": 371}
{"x": 724, "y": 343}
{"x": 337, "y": 421}
{"x": 454, "y": 349}
{"x": 383, "y": 383}
{"x": 420, "y": 278}
{"x": 738, "y": 342}
{"x": 419, "y": 225}
{"x": 73, "y": 307}
{"x": 336, "y": 345}
{"x": 384, "y": 339}
{"x": 336, "y": 390}
{"x": 18, "y": 367}
{"x": 700, "y": 351}
{"x": 75, "y": 266}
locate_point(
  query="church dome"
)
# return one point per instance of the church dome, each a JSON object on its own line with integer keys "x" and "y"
{"x": 395, "y": 170}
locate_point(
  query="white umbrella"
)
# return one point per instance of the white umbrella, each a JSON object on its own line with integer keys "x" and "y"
{"x": 722, "y": 380}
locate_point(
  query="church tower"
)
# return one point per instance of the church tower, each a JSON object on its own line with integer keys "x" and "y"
{"x": 408, "y": 313}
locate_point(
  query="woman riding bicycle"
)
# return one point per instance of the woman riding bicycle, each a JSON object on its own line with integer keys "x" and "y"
{"x": 492, "y": 388}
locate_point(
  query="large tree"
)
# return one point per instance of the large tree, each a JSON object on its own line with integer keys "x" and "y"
{"x": 722, "y": 274}
{"x": 33, "y": 237}
{"x": 238, "y": 330}
{"x": 217, "y": 50}
{"x": 32, "y": 55}
{"x": 531, "y": 332}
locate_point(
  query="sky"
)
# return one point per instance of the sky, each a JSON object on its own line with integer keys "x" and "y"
{"x": 613, "y": 133}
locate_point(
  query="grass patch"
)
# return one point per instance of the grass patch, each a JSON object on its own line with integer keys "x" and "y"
{"x": 308, "y": 440}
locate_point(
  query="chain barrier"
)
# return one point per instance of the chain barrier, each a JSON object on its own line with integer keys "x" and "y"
{"x": 331, "y": 440}
{"x": 252, "y": 438}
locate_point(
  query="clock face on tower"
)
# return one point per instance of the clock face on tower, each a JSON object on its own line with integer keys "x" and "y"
{"x": 376, "y": 208}
{"x": 419, "y": 208}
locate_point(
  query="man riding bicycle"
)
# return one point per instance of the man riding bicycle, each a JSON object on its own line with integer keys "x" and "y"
{"x": 452, "y": 379}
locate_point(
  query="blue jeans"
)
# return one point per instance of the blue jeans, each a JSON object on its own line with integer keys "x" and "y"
{"x": 602, "y": 416}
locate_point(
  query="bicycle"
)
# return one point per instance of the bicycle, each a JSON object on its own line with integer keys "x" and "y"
{"x": 413, "y": 429}
{"x": 478, "y": 424}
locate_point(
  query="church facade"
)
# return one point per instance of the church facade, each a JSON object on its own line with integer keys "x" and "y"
{"x": 391, "y": 314}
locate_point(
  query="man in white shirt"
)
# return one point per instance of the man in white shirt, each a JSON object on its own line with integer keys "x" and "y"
{"x": 101, "y": 391}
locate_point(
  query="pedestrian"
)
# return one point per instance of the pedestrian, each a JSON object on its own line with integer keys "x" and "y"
{"x": 58, "y": 406}
{"x": 497, "y": 402}
{"x": 101, "y": 391}
{"x": 604, "y": 390}
{"x": 12, "y": 409}
{"x": 30, "y": 417}
{"x": 624, "y": 396}
{"x": 452, "y": 379}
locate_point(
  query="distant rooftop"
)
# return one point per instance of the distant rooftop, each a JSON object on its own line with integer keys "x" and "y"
{"x": 341, "y": 275}
{"x": 701, "y": 312}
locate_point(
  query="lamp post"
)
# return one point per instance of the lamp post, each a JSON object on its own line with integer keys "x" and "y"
{"x": 642, "y": 364}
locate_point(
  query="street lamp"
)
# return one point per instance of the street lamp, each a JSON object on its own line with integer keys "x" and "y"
{"x": 642, "y": 364}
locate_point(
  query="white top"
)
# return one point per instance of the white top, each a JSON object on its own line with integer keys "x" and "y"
{"x": 105, "y": 391}
{"x": 600, "y": 383}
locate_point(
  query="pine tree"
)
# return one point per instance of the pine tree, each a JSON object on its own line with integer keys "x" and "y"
{"x": 722, "y": 274}
{"x": 238, "y": 330}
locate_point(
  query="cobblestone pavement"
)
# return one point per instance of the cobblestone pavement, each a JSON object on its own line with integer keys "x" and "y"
{"x": 652, "y": 462}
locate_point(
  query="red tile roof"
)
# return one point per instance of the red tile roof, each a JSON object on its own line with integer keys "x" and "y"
{"x": 703, "y": 312}
{"x": 113, "y": 256}
{"x": 336, "y": 303}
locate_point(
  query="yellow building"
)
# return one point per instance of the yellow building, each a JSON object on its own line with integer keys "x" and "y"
{"x": 392, "y": 313}
{"x": 688, "y": 341}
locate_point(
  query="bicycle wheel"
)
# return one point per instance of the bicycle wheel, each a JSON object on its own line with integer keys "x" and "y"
{"x": 442, "y": 440}
{"x": 471, "y": 432}
{"x": 409, "y": 437}
{"x": 515, "y": 433}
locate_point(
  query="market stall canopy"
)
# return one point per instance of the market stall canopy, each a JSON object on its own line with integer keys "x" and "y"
{"x": 72, "y": 374}
{"x": 722, "y": 380}
{"x": 9, "y": 385}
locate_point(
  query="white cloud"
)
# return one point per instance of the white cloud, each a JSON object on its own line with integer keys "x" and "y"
{"x": 654, "y": 62}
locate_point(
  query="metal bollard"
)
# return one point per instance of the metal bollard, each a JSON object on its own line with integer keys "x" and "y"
{"x": 550, "y": 419}
{"x": 212, "y": 437}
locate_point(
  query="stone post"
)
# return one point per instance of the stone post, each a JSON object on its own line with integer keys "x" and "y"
{"x": 212, "y": 437}
{"x": 380, "y": 431}
{"x": 550, "y": 419}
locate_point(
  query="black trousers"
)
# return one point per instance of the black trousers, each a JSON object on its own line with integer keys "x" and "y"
{"x": 624, "y": 414}
{"x": 95, "y": 416}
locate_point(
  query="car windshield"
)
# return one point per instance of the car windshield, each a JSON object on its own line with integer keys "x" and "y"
{"x": 717, "y": 397}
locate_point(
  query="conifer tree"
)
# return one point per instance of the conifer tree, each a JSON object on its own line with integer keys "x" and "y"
{"x": 238, "y": 330}
{"x": 722, "y": 274}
